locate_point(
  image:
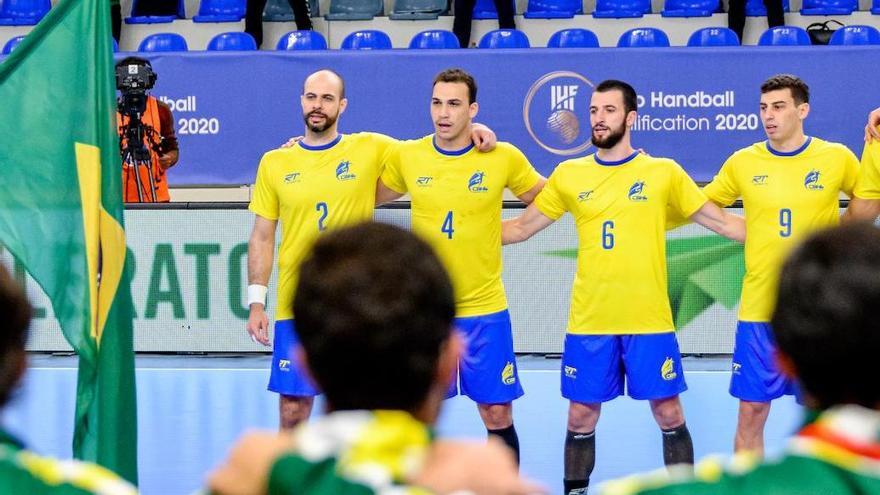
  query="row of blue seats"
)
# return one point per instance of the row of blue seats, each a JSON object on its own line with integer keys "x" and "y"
{"x": 502, "y": 38}
{"x": 29, "y": 12}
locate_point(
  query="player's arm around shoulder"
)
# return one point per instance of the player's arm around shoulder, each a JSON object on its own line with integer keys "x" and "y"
{"x": 721, "y": 222}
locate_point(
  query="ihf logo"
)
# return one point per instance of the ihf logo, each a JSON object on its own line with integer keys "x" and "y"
{"x": 556, "y": 112}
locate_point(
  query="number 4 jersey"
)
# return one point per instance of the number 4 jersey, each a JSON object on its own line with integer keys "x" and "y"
{"x": 620, "y": 210}
{"x": 313, "y": 188}
{"x": 786, "y": 196}
{"x": 456, "y": 207}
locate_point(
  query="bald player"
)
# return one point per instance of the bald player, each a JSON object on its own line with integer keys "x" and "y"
{"x": 327, "y": 180}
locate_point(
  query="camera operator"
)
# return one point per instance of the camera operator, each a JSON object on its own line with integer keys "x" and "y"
{"x": 146, "y": 133}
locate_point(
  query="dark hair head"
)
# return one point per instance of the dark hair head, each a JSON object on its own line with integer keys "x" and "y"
{"x": 132, "y": 60}
{"x": 374, "y": 307}
{"x": 800, "y": 92}
{"x": 630, "y": 102}
{"x": 332, "y": 72}
{"x": 458, "y": 76}
{"x": 15, "y": 315}
{"x": 824, "y": 320}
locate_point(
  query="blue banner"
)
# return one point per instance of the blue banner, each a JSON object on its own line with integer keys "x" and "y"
{"x": 696, "y": 105}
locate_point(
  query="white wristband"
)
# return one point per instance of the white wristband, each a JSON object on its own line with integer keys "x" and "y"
{"x": 256, "y": 293}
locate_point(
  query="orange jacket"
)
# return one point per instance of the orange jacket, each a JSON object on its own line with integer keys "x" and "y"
{"x": 152, "y": 140}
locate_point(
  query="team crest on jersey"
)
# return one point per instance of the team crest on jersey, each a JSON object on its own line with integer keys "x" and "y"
{"x": 759, "y": 180}
{"x": 424, "y": 181}
{"x": 292, "y": 178}
{"x": 637, "y": 191}
{"x": 667, "y": 371}
{"x": 475, "y": 183}
{"x": 508, "y": 375}
{"x": 811, "y": 181}
{"x": 570, "y": 371}
{"x": 585, "y": 196}
{"x": 343, "y": 171}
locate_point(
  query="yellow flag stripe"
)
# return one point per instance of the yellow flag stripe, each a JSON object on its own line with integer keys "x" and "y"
{"x": 88, "y": 167}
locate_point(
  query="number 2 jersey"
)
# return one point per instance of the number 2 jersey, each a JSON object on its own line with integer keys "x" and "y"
{"x": 786, "y": 196}
{"x": 309, "y": 189}
{"x": 456, "y": 207}
{"x": 620, "y": 210}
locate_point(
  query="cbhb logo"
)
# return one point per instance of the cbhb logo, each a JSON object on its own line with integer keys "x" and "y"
{"x": 553, "y": 109}
{"x": 508, "y": 375}
{"x": 475, "y": 184}
{"x": 637, "y": 191}
{"x": 811, "y": 181}
{"x": 342, "y": 171}
{"x": 667, "y": 371}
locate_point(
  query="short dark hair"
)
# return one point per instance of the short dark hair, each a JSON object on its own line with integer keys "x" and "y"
{"x": 341, "y": 81}
{"x": 458, "y": 76}
{"x": 374, "y": 308}
{"x": 800, "y": 92}
{"x": 824, "y": 319}
{"x": 630, "y": 101}
{"x": 15, "y": 315}
{"x": 132, "y": 60}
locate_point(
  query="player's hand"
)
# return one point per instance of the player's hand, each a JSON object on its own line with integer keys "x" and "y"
{"x": 246, "y": 470}
{"x": 483, "y": 137}
{"x": 166, "y": 161}
{"x": 258, "y": 324}
{"x": 292, "y": 142}
{"x": 481, "y": 468}
{"x": 871, "y": 131}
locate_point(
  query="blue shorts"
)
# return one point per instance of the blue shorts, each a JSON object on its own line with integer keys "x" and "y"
{"x": 594, "y": 367}
{"x": 287, "y": 376}
{"x": 487, "y": 368}
{"x": 756, "y": 378}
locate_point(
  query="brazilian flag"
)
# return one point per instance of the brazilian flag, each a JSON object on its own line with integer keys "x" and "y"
{"x": 61, "y": 212}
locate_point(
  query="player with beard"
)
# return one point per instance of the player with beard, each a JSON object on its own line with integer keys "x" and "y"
{"x": 620, "y": 325}
{"x": 325, "y": 181}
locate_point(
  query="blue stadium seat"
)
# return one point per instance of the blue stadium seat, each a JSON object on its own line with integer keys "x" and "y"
{"x": 619, "y": 9}
{"x": 232, "y": 41}
{"x": 504, "y": 38}
{"x": 829, "y": 7}
{"x": 485, "y": 9}
{"x": 115, "y": 45}
{"x": 690, "y": 8}
{"x": 573, "y": 38}
{"x": 643, "y": 37}
{"x": 417, "y": 10}
{"x": 713, "y": 36}
{"x": 220, "y": 11}
{"x": 856, "y": 35}
{"x": 368, "y": 39}
{"x": 302, "y": 40}
{"x": 875, "y": 8}
{"x": 163, "y": 42}
{"x": 139, "y": 16}
{"x": 280, "y": 11}
{"x": 553, "y": 9}
{"x": 11, "y": 44}
{"x": 23, "y": 12}
{"x": 784, "y": 36}
{"x": 354, "y": 10}
{"x": 435, "y": 38}
{"x": 756, "y": 8}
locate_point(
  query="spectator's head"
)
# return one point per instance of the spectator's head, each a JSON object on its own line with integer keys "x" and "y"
{"x": 374, "y": 311}
{"x": 15, "y": 315}
{"x": 613, "y": 108}
{"x": 785, "y": 103}
{"x": 323, "y": 101}
{"x": 453, "y": 104}
{"x": 826, "y": 331}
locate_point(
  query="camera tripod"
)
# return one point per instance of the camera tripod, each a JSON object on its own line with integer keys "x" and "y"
{"x": 135, "y": 158}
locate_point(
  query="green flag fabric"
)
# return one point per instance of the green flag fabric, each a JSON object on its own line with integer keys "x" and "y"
{"x": 61, "y": 212}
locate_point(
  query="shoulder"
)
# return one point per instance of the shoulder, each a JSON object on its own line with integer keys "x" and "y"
{"x": 77, "y": 476}
{"x": 837, "y": 149}
{"x": 373, "y": 138}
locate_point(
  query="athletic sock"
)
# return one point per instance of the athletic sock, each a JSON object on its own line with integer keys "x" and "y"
{"x": 678, "y": 448}
{"x": 580, "y": 459}
{"x": 510, "y": 438}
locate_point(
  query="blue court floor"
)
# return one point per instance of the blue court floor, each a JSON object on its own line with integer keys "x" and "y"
{"x": 192, "y": 408}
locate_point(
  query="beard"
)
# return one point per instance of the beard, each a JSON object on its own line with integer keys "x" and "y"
{"x": 609, "y": 141}
{"x": 328, "y": 121}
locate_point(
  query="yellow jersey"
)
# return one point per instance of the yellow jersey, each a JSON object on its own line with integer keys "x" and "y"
{"x": 619, "y": 210}
{"x": 456, "y": 207}
{"x": 786, "y": 196}
{"x": 868, "y": 184}
{"x": 309, "y": 189}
